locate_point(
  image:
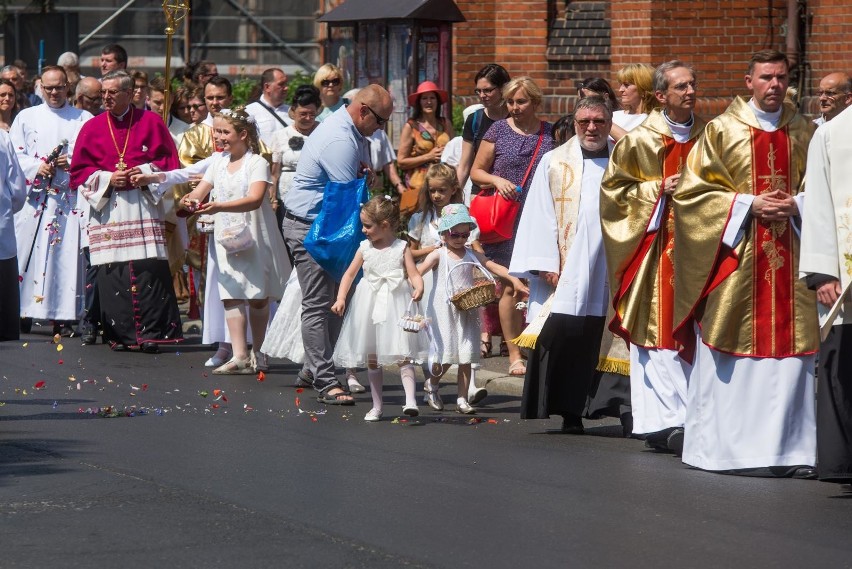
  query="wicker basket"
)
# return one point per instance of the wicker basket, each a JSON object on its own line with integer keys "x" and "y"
{"x": 477, "y": 287}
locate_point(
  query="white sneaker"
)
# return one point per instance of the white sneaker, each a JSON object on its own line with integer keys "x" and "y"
{"x": 373, "y": 415}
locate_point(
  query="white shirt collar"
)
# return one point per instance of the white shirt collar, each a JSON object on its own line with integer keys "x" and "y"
{"x": 768, "y": 121}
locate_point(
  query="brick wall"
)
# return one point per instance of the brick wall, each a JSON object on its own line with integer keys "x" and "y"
{"x": 716, "y": 36}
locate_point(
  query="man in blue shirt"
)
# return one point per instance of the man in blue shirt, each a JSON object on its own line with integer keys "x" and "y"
{"x": 336, "y": 151}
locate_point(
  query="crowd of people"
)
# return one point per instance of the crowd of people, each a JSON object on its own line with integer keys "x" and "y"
{"x": 638, "y": 261}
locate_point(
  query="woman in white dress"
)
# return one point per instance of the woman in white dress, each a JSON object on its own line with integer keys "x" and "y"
{"x": 636, "y": 90}
{"x": 249, "y": 249}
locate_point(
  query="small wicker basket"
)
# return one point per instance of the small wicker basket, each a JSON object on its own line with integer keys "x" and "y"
{"x": 475, "y": 288}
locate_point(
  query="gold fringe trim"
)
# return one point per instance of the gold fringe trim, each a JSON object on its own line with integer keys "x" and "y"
{"x": 608, "y": 365}
{"x": 526, "y": 340}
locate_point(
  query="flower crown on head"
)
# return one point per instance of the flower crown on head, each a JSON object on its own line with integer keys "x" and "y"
{"x": 238, "y": 113}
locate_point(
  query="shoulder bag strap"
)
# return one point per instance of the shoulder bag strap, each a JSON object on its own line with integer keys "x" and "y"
{"x": 532, "y": 160}
{"x": 271, "y": 112}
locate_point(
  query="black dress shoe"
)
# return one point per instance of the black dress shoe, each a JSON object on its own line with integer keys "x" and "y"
{"x": 804, "y": 473}
{"x": 88, "y": 339}
{"x": 626, "y": 425}
{"x": 659, "y": 440}
{"x": 26, "y": 325}
{"x": 150, "y": 348}
{"x": 116, "y": 347}
{"x": 572, "y": 425}
{"x": 675, "y": 441}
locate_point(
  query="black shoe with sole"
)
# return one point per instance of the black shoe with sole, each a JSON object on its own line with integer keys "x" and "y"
{"x": 150, "y": 348}
{"x": 675, "y": 441}
{"x": 572, "y": 425}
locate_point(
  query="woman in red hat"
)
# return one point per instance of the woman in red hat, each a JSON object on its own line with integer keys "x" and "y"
{"x": 422, "y": 139}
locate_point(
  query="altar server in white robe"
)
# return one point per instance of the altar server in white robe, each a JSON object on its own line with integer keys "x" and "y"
{"x": 559, "y": 248}
{"x": 826, "y": 264}
{"x": 48, "y": 227}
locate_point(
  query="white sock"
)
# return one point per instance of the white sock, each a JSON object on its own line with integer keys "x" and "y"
{"x": 409, "y": 385}
{"x": 471, "y": 387}
{"x": 375, "y": 376}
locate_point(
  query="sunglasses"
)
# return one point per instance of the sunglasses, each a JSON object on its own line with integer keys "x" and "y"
{"x": 455, "y": 235}
{"x": 379, "y": 120}
{"x": 584, "y": 123}
{"x": 330, "y": 82}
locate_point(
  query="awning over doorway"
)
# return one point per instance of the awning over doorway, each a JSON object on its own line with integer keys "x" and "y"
{"x": 358, "y": 10}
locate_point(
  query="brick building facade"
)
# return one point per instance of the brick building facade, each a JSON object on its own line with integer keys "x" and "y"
{"x": 559, "y": 42}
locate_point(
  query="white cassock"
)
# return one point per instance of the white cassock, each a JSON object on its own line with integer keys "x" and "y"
{"x": 757, "y": 395}
{"x": 582, "y": 288}
{"x": 48, "y": 227}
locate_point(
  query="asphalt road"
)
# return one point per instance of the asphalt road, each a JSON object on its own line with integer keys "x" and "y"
{"x": 259, "y": 479}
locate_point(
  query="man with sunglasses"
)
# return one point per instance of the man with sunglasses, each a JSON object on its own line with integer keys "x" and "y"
{"x": 638, "y": 223}
{"x": 48, "y": 229}
{"x": 558, "y": 248}
{"x": 337, "y": 151}
{"x": 270, "y": 111}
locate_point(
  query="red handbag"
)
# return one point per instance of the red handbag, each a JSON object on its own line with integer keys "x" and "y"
{"x": 496, "y": 215}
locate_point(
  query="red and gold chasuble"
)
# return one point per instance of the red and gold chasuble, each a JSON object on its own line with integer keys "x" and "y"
{"x": 775, "y": 311}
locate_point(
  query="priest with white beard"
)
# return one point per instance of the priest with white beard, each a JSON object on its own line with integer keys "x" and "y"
{"x": 48, "y": 227}
{"x": 559, "y": 248}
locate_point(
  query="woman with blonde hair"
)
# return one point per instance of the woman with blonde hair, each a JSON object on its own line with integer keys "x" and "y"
{"x": 329, "y": 80}
{"x": 636, "y": 93}
{"x": 507, "y": 157}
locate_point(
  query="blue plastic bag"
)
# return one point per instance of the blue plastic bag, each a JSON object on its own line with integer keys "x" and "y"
{"x": 335, "y": 234}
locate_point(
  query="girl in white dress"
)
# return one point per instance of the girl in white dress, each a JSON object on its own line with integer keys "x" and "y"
{"x": 249, "y": 249}
{"x": 371, "y": 335}
{"x": 440, "y": 188}
{"x": 455, "y": 333}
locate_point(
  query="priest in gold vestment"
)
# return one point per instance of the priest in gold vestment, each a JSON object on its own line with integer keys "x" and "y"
{"x": 638, "y": 224}
{"x": 741, "y": 314}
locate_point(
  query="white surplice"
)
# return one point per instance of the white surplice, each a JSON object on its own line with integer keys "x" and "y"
{"x": 48, "y": 227}
{"x": 582, "y": 289}
{"x": 749, "y": 412}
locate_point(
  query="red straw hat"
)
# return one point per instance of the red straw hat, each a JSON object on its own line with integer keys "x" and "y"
{"x": 427, "y": 87}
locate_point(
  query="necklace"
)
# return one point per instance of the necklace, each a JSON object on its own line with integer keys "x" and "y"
{"x": 121, "y": 165}
{"x": 529, "y": 130}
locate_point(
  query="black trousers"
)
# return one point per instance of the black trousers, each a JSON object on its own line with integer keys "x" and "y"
{"x": 561, "y": 367}
{"x": 834, "y": 406}
{"x": 10, "y": 300}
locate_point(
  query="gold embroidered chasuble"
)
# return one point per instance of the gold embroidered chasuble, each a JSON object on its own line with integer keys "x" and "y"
{"x": 641, "y": 272}
{"x": 565, "y": 177}
{"x": 747, "y": 300}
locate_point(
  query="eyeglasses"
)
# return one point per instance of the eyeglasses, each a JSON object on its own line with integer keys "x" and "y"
{"x": 53, "y": 88}
{"x": 455, "y": 235}
{"x": 486, "y": 91}
{"x": 830, "y": 94}
{"x": 379, "y": 120}
{"x": 584, "y": 123}
{"x": 111, "y": 92}
{"x": 330, "y": 82}
{"x": 194, "y": 107}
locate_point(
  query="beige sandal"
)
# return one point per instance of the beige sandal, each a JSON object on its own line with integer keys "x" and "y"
{"x": 236, "y": 367}
{"x": 518, "y": 368}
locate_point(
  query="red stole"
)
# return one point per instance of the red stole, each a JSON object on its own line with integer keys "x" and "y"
{"x": 674, "y": 157}
{"x": 774, "y": 307}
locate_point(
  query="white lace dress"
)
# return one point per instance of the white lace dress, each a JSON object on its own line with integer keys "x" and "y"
{"x": 287, "y": 146}
{"x": 455, "y": 333}
{"x": 260, "y": 271}
{"x": 371, "y": 325}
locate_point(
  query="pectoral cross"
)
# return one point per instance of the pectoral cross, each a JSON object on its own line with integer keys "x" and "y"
{"x": 121, "y": 165}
